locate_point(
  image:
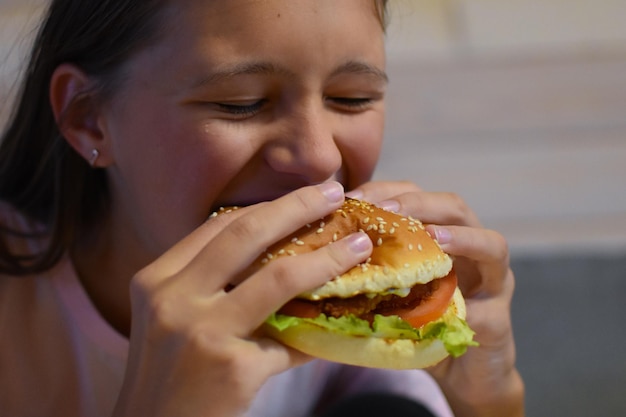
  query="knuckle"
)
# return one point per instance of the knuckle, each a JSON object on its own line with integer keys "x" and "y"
{"x": 409, "y": 186}
{"x": 247, "y": 228}
{"x": 302, "y": 199}
{"x": 501, "y": 246}
{"x": 283, "y": 275}
{"x": 164, "y": 311}
{"x": 141, "y": 287}
{"x": 143, "y": 281}
{"x": 457, "y": 206}
{"x": 338, "y": 261}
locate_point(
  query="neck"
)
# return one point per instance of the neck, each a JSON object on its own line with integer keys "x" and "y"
{"x": 105, "y": 263}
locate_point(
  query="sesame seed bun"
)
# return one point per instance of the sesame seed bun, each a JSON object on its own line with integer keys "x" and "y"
{"x": 404, "y": 257}
{"x": 404, "y": 254}
{"x": 370, "y": 352}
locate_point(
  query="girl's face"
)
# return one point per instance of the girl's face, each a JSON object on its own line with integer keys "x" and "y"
{"x": 243, "y": 101}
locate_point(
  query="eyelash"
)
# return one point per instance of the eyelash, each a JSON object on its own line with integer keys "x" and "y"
{"x": 242, "y": 110}
{"x": 352, "y": 103}
{"x": 247, "y": 110}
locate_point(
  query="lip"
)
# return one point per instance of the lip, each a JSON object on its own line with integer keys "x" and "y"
{"x": 280, "y": 189}
{"x": 270, "y": 196}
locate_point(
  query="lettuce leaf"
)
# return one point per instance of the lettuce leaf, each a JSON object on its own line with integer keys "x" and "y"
{"x": 453, "y": 331}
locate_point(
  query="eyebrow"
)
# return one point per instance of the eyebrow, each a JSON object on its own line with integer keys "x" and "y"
{"x": 266, "y": 68}
{"x": 357, "y": 67}
{"x": 245, "y": 68}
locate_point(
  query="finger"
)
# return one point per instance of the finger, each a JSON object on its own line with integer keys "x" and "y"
{"x": 282, "y": 279}
{"x": 377, "y": 191}
{"x": 172, "y": 261}
{"x": 246, "y": 237}
{"x": 435, "y": 208}
{"x": 488, "y": 249}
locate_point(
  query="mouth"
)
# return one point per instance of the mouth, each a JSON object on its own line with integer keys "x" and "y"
{"x": 252, "y": 198}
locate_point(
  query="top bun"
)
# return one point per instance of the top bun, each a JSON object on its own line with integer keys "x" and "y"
{"x": 404, "y": 254}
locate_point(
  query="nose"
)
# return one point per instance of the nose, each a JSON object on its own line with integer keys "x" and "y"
{"x": 305, "y": 146}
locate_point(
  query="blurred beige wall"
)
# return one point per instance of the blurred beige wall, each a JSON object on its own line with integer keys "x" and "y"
{"x": 18, "y": 20}
{"x": 519, "y": 106}
{"x": 435, "y": 29}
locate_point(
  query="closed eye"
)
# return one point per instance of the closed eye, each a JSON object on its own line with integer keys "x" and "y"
{"x": 241, "y": 109}
{"x": 351, "y": 104}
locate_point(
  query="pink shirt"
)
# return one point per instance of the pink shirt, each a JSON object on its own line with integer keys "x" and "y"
{"x": 58, "y": 357}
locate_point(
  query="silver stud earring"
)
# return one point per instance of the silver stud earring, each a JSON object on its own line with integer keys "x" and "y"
{"x": 94, "y": 156}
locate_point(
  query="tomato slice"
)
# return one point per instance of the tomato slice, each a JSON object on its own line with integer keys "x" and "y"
{"x": 431, "y": 307}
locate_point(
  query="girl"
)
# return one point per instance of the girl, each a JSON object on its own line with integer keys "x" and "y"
{"x": 137, "y": 120}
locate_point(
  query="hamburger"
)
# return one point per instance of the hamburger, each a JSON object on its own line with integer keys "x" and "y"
{"x": 400, "y": 309}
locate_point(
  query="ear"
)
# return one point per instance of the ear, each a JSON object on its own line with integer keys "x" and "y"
{"x": 78, "y": 114}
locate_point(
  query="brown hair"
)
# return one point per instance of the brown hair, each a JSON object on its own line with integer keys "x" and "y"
{"x": 40, "y": 175}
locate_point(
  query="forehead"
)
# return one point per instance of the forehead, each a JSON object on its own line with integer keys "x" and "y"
{"x": 245, "y": 26}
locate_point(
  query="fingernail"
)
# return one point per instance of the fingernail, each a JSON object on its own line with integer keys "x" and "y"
{"x": 359, "y": 242}
{"x": 332, "y": 190}
{"x": 442, "y": 235}
{"x": 358, "y": 194}
{"x": 389, "y": 205}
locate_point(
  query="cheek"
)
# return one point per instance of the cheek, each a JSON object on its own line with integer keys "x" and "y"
{"x": 174, "y": 171}
{"x": 360, "y": 143}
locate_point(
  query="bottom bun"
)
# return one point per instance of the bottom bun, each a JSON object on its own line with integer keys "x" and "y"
{"x": 363, "y": 351}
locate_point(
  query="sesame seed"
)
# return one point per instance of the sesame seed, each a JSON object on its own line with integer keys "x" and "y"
{"x": 291, "y": 252}
{"x": 392, "y": 230}
{"x": 420, "y": 247}
{"x": 394, "y": 224}
{"x": 379, "y": 241}
{"x": 281, "y": 252}
{"x": 270, "y": 256}
{"x": 320, "y": 230}
{"x": 410, "y": 246}
{"x": 335, "y": 237}
{"x": 366, "y": 220}
{"x": 322, "y": 224}
{"x": 294, "y": 240}
{"x": 299, "y": 243}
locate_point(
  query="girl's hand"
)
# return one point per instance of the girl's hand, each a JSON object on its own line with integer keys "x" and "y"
{"x": 193, "y": 346}
{"x": 484, "y": 381}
